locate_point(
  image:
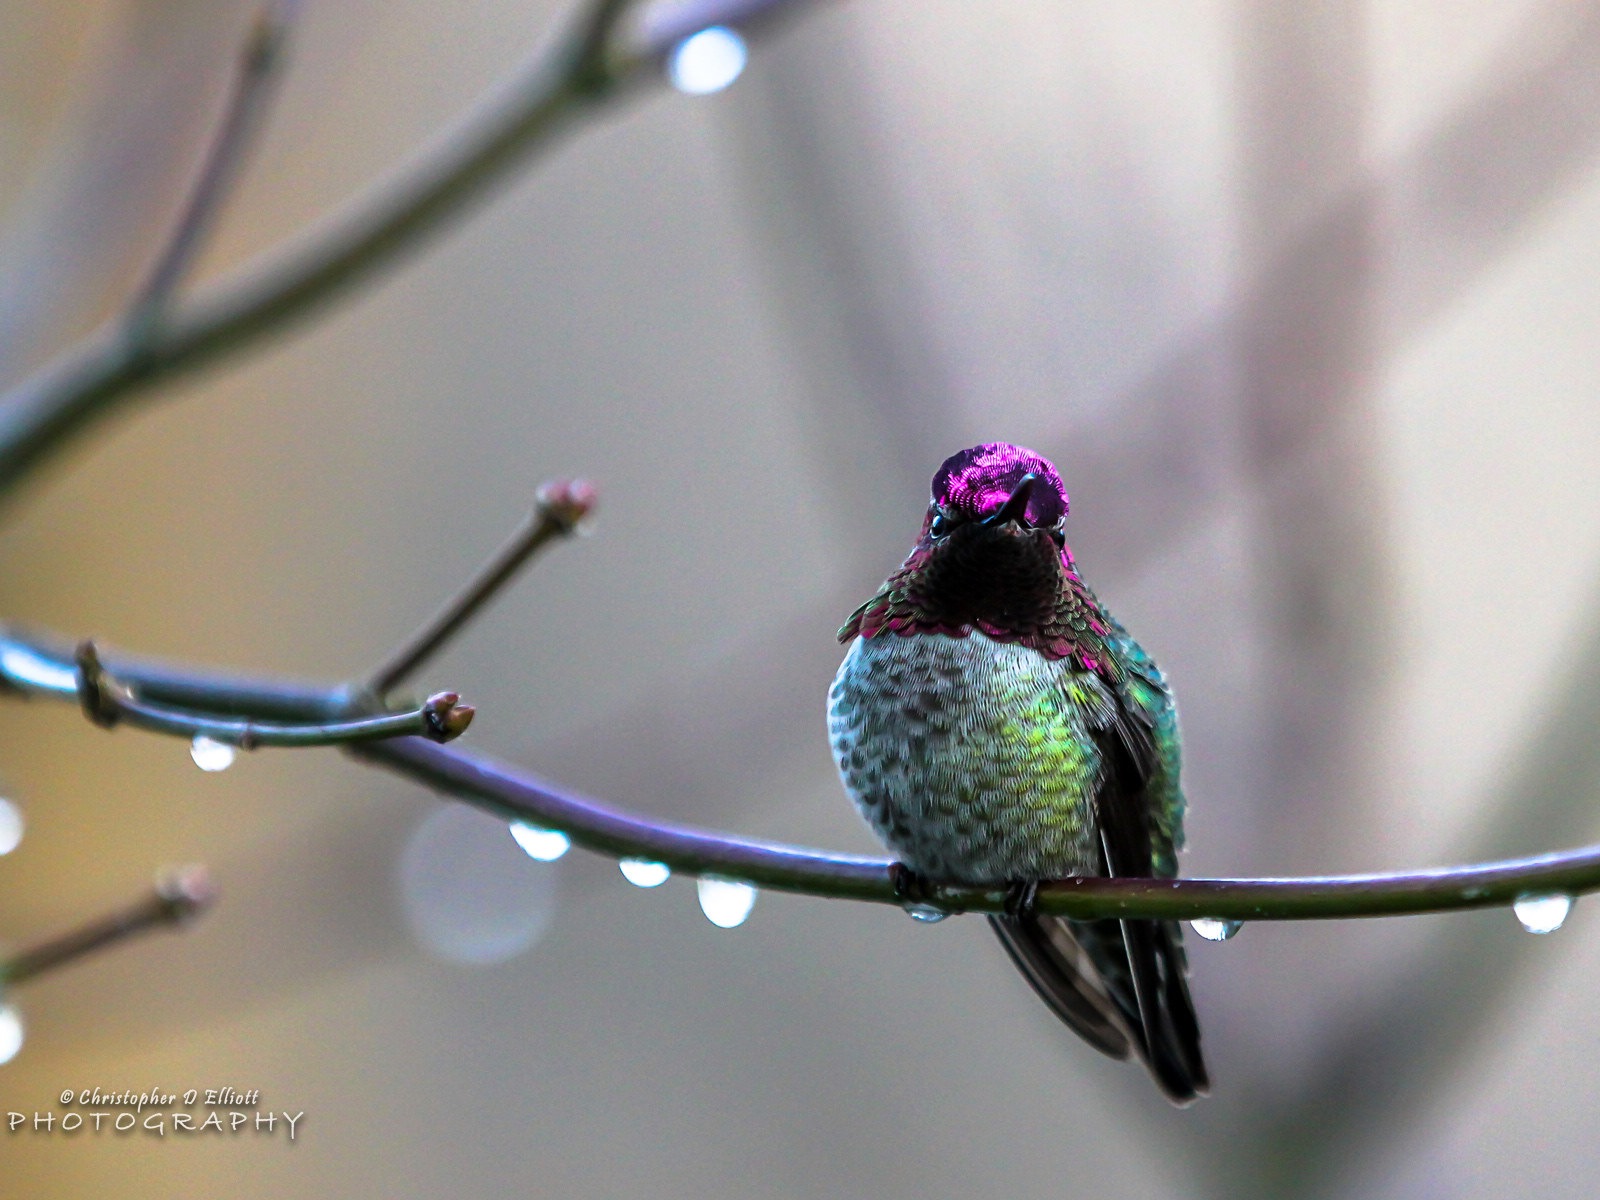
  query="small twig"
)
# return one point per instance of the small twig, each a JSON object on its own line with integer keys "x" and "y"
{"x": 107, "y": 701}
{"x": 259, "y": 59}
{"x": 559, "y": 508}
{"x": 179, "y": 896}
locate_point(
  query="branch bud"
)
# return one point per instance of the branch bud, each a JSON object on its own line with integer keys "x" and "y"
{"x": 565, "y": 502}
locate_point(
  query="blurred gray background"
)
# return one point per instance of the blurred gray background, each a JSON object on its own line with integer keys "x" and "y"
{"x": 1301, "y": 299}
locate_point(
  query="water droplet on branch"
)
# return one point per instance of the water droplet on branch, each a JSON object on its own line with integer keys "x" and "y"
{"x": 546, "y": 845}
{"x": 707, "y": 61}
{"x": 1544, "y": 913}
{"x": 641, "y": 872}
{"x": 1215, "y": 929}
{"x": 925, "y": 913}
{"x": 725, "y": 902}
{"x": 211, "y": 755}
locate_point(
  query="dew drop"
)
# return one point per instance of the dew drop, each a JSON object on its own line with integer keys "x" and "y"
{"x": 641, "y": 872}
{"x": 707, "y": 61}
{"x": 725, "y": 902}
{"x": 925, "y": 913}
{"x": 11, "y": 826}
{"x": 1215, "y": 929}
{"x": 10, "y": 1033}
{"x": 546, "y": 845}
{"x": 1543, "y": 913}
{"x": 211, "y": 755}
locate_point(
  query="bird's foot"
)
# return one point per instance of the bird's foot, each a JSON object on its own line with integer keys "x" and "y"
{"x": 915, "y": 893}
{"x": 1022, "y": 899}
{"x": 910, "y": 887}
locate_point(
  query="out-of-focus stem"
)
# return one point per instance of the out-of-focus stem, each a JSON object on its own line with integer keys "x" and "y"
{"x": 178, "y": 897}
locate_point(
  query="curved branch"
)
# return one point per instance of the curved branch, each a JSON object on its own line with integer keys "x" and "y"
{"x": 583, "y": 71}
{"x": 34, "y": 666}
{"x": 513, "y": 794}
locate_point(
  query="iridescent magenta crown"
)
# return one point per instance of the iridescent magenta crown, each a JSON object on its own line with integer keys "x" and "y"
{"x": 974, "y": 483}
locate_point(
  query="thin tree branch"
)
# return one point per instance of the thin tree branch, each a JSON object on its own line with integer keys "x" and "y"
{"x": 178, "y": 898}
{"x": 33, "y": 667}
{"x": 371, "y": 232}
{"x": 511, "y": 793}
{"x": 108, "y": 701}
{"x": 259, "y": 60}
{"x": 558, "y": 510}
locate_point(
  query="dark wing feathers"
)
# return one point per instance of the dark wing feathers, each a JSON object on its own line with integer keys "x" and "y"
{"x": 1054, "y": 957}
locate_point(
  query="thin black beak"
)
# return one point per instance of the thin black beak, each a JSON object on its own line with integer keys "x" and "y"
{"x": 1016, "y": 506}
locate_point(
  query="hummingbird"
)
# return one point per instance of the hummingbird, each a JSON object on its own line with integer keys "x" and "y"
{"x": 996, "y": 726}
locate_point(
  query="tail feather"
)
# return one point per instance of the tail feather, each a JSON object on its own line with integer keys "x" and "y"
{"x": 1120, "y": 985}
{"x": 1169, "y": 1030}
{"x": 1179, "y": 1007}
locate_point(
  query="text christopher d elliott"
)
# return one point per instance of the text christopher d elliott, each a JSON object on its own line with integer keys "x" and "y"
{"x": 93, "y": 1111}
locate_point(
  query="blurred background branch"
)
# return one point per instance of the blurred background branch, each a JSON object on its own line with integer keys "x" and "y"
{"x": 178, "y": 898}
{"x": 259, "y": 60}
{"x": 525, "y": 117}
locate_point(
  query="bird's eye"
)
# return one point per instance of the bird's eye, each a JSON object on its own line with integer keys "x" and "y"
{"x": 1059, "y": 537}
{"x": 941, "y": 525}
